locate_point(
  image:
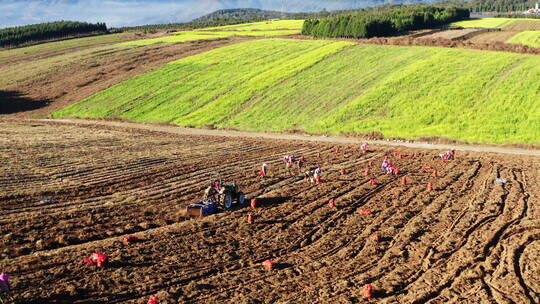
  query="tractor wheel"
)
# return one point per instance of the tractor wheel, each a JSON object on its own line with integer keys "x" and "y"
{"x": 227, "y": 201}
{"x": 241, "y": 199}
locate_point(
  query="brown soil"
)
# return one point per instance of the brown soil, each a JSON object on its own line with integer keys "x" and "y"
{"x": 451, "y": 34}
{"x": 31, "y": 56}
{"x": 468, "y": 240}
{"x": 76, "y": 82}
{"x": 523, "y": 25}
{"x": 439, "y": 42}
{"x": 498, "y": 36}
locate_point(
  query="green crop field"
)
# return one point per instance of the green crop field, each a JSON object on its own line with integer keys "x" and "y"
{"x": 529, "y": 38}
{"x": 193, "y": 35}
{"x": 337, "y": 87}
{"x": 257, "y": 29}
{"x": 485, "y": 22}
{"x": 202, "y": 85}
{"x": 515, "y": 24}
{"x": 261, "y": 26}
{"x": 183, "y": 37}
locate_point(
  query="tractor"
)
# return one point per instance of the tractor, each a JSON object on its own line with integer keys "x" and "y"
{"x": 215, "y": 196}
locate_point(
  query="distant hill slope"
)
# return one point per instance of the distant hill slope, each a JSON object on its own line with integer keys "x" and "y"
{"x": 259, "y": 14}
{"x": 336, "y": 87}
{"x": 243, "y": 14}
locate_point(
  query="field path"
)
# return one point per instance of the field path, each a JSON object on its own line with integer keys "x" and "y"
{"x": 302, "y": 137}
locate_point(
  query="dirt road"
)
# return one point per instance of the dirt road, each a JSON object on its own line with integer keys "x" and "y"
{"x": 312, "y": 138}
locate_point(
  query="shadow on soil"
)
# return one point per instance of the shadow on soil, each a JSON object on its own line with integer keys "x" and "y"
{"x": 271, "y": 201}
{"x": 14, "y": 102}
{"x": 283, "y": 265}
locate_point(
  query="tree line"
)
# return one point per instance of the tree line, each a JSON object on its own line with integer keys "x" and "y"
{"x": 15, "y": 36}
{"x": 501, "y": 5}
{"x": 529, "y": 16}
{"x": 383, "y": 23}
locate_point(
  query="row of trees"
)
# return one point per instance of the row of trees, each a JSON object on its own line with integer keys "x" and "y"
{"x": 20, "y": 35}
{"x": 384, "y": 23}
{"x": 529, "y": 16}
{"x": 501, "y": 5}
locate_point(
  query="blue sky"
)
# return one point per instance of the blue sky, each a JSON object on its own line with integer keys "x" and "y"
{"x": 137, "y": 12}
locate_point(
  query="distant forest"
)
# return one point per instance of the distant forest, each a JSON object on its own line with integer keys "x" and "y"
{"x": 500, "y": 5}
{"x": 384, "y": 23}
{"x": 21, "y": 35}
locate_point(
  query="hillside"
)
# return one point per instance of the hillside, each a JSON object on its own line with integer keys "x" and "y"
{"x": 259, "y": 14}
{"x": 323, "y": 86}
{"x": 40, "y": 79}
{"x": 243, "y": 14}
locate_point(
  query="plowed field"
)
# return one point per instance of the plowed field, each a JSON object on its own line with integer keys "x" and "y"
{"x": 469, "y": 240}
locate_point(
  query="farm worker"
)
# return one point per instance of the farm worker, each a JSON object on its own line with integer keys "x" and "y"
{"x": 300, "y": 165}
{"x": 263, "y": 169}
{"x": 317, "y": 172}
{"x": 364, "y": 147}
{"x": 311, "y": 175}
{"x": 5, "y": 289}
{"x": 449, "y": 155}
{"x": 217, "y": 185}
{"x": 212, "y": 190}
{"x": 385, "y": 164}
{"x": 289, "y": 161}
{"x": 4, "y": 283}
{"x": 317, "y": 175}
